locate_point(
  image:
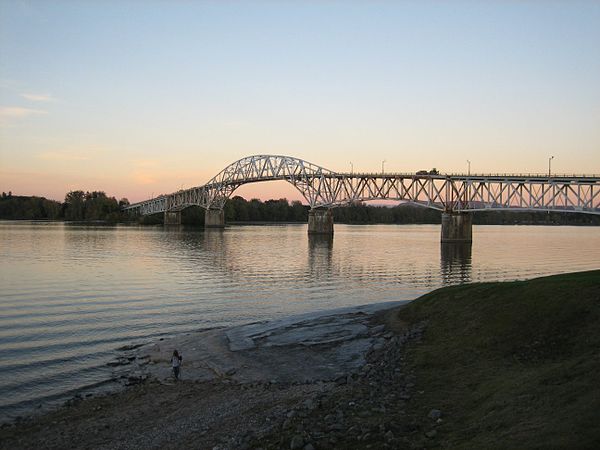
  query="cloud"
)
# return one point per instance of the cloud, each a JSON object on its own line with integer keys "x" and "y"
{"x": 38, "y": 97}
{"x": 17, "y": 112}
{"x": 62, "y": 156}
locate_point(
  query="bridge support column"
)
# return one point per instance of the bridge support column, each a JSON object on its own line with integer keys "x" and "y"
{"x": 457, "y": 227}
{"x": 214, "y": 218}
{"x": 172, "y": 218}
{"x": 320, "y": 221}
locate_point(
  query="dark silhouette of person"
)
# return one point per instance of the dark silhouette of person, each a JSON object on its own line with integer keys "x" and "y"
{"x": 176, "y": 363}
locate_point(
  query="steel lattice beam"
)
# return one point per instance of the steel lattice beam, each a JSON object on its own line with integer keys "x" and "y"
{"x": 324, "y": 188}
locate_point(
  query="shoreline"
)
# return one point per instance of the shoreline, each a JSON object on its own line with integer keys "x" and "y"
{"x": 274, "y": 223}
{"x": 241, "y": 384}
{"x": 486, "y": 365}
{"x": 132, "y": 365}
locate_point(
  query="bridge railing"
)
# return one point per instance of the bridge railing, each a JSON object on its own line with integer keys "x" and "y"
{"x": 467, "y": 175}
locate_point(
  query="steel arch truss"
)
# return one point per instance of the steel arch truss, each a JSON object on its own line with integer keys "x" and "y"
{"x": 324, "y": 188}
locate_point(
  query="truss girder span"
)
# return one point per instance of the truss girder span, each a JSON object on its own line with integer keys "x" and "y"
{"x": 323, "y": 188}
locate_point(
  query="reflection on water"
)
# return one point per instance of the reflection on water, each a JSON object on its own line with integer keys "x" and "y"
{"x": 456, "y": 262}
{"x": 70, "y": 295}
{"x": 320, "y": 253}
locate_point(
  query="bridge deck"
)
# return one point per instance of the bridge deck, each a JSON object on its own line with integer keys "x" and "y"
{"x": 450, "y": 192}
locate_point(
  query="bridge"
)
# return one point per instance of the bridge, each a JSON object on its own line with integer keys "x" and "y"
{"x": 456, "y": 195}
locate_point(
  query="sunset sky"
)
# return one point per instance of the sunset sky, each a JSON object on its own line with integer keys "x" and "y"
{"x": 141, "y": 98}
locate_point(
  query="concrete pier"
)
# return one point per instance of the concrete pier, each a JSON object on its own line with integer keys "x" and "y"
{"x": 172, "y": 218}
{"x": 457, "y": 227}
{"x": 214, "y": 218}
{"x": 320, "y": 221}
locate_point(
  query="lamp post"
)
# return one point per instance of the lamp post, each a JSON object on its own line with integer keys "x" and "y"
{"x": 351, "y": 168}
{"x": 382, "y": 163}
{"x": 469, "y": 163}
{"x": 550, "y": 165}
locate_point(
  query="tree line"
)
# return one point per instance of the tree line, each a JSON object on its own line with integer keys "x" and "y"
{"x": 238, "y": 209}
{"x": 78, "y": 206}
{"x": 97, "y": 206}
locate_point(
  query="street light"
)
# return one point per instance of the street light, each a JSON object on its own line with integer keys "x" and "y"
{"x": 469, "y": 162}
{"x": 382, "y": 163}
{"x": 351, "y": 168}
{"x": 549, "y": 166}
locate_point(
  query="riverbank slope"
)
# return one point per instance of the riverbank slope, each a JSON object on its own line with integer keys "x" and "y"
{"x": 490, "y": 365}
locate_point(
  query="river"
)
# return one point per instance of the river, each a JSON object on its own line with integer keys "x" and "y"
{"x": 72, "y": 295}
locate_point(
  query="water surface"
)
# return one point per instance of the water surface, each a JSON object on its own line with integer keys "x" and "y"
{"x": 70, "y": 295}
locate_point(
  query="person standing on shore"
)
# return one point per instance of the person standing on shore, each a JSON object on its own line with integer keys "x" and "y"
{"x": 176, "y": 363}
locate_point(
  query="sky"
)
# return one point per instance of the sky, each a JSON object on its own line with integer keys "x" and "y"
{"x": 142, "y": 98}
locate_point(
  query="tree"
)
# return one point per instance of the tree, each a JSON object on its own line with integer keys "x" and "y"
{"x": 74, "y": 206}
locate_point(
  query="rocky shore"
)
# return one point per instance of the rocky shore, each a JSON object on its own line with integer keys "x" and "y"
{"x": 487, "y": 365}
{"x": 317, "y": 380}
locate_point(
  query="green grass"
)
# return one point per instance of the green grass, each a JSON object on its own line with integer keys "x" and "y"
{"x": 511, "y": 365}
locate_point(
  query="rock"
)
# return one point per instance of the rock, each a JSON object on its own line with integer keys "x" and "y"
{"x": 377, "y": 329}
{"x": 309, "y": 446}
{"x": 297, "y": 442}
{"x": 130, "y": 347}
{"x": 366, "y": 368}
{"x": 309, "y": 404}
{"x": 434, "y": 414}
{"x": 431, "y": 434}
{"x": 378, "y": 346}
{"x": 389, "y": 436}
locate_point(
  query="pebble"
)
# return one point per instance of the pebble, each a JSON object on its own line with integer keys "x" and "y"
{"x": 297, "y": 442}
{"x": 377, "y": 329}
{"x": 434, "y": 414}
{"x": 309, "y": 404}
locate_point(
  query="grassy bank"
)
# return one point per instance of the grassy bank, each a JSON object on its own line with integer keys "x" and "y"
{"x": 510, "y": 365}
